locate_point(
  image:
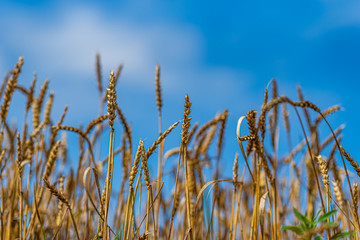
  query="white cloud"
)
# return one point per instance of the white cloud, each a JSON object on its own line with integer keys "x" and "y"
{"x": 64, "y": 47}
{"x": 69, "y": 45}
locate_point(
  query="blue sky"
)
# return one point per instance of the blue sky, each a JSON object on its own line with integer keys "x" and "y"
{"x": 222, "y": 55}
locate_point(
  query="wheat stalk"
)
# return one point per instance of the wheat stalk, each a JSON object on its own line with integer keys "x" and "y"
{"x": 235, "y": 180}
{"x": 184, "y": 142}
{"x": 161, "y": 147}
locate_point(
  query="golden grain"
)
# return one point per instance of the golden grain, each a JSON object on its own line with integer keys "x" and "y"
{"x": 146, "y": 172}
{"x": 221, "y": 133}
{"x": 94, "y": 122}
{"x": 36, "y": 113}
{"x": 4, "y": 82}
{"x": 30, "y": 95}
{"x": 48, "y": 109}
{"x": 60, "y": 204}
{"x": 339, "y": 194}
{"x": 56, "y": 193}
{"x": 152, "y": 148}
{"x": 12, "y": 82}
{"x": 19, "y": 153}
{"x": 111, "y": 96}
{"x": 71, "y": 129}
{"x": 186, "y": 121}
{"x": 158, "y": 89}
{"x": 42, "y": 93}
{"x": 355, "y": 201}
{"x": 327, "y": 112}
{"x": 235, "y": 169}
{"x": 51, "y": 160}
{"x": 246, "y": 138}
{"x": 136, "y": 163}
{"x": 324, "y": 172}
{"x": 354, "y": 164}
{"x": 204, "y": 145}
{"x": 251, "y": 118}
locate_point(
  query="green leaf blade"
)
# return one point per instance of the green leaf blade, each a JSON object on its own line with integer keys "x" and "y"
{"x": 295, "y": 229}
{"x": 342, "y": 235}
{"x": 303, "y": 219}
{"x": 326, "y": 216}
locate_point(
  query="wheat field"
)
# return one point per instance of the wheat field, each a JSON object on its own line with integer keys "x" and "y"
{"x": 275, "y": 196}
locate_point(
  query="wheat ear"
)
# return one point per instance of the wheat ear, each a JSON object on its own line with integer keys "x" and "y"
{"x": 30, "y": 95}
{"x": 51, "y": 160}
{"x": 48, "y": 109}
{"x": 355, "y": 201}
{"x": 10, "y": 88}
{"x": 94, "y": 122}
{"x": 42, "y": 93}
{"x": 354, "y": 164}
{"x": 62, "y": 198}
{"x": 4, "y": 82}
{"x": 325, "y": 177}
{"x": 98, "y": 73}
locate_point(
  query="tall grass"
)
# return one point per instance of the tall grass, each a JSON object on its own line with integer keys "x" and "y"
{"x": 39, "y": 201}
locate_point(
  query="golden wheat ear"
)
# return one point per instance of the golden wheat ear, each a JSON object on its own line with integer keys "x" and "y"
{"x": 62, "y": 198}
{"x": 48, "y": 107}
{"x": 111, "y": 96}
{"x": 51, "y": 160}
{"x": 10, "y": 88}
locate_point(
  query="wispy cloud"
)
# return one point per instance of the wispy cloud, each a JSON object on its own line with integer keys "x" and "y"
{"x": 64, "y": 46}
{"x": 344, "y": 13}
{"x": 68, "y": 44}
{"x": 336, "y": 14}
